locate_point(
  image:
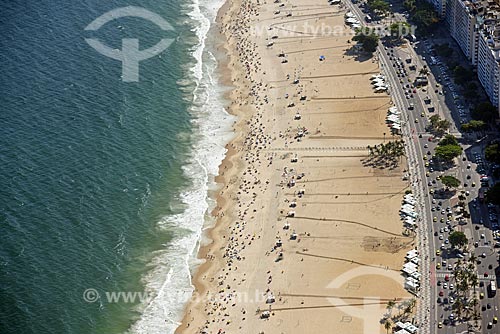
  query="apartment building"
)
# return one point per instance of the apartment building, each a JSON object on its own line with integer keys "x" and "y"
{"x": 488, "y": 55}
{"x": 461, "y": 19}
{"x": 475, "y": 26}
{"x": 439, "y": 6}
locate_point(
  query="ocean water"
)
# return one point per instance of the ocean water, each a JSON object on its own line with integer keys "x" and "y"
{"x": 103, "y": 183}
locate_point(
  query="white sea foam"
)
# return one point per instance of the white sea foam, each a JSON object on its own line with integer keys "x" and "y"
{"x": 169, "y": 281}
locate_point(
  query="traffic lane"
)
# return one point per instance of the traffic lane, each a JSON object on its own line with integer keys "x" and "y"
{"x": 416, "y": 127}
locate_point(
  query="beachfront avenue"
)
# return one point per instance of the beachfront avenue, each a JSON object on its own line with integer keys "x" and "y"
{"x": 435, "y": 309}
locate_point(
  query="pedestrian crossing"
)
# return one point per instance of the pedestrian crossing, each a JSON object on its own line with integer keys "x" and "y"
{"x": 443, "y": 274}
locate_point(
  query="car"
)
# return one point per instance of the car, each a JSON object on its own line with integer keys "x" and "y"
{"x": 483, "y": 236}
{"x": 440, "y": 324}
{"x": 438, "y": 252}
{"x": 426, "y": 146}
{"x": 451, "y": 300}
{"x": 416, "y": 120}
{"x": 441, "y": 293}
{"x": 481, "y": 295}
{"x": 488, "y": 306}
{"x": 439, "y": 301}
{"x": 439, "y": 283}
{"x": 451, "y": 286}
{"x": 483, "y": 255}
{"x": 446, "y": 278}
{"x": 490, "y": 324}
{"x": 468, "y": 177}
{"x": 434, "y": 219}
{"x": 445, "y": 285}
{"x": 422, "y": 114}
{"x": 438, "y": 266}
{"x": 441, "y": 237}
{"x": 495, "y": 319}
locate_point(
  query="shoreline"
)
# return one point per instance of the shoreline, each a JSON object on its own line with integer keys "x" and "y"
{"x": 209, "y": 240}
{"x": 233, "y": 75}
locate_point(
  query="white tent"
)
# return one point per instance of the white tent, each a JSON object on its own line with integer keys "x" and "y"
{"x": 416, "y": 275}
{"x": 411, "y": 329}
{"x": 408, "y": 271}
{"x": 411, "y": 254}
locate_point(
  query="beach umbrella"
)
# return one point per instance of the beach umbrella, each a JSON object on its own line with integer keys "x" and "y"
{"x": 321, "y": 58}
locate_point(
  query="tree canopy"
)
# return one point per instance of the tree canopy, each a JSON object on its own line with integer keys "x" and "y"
{"x": 368, "y": 40}
{"x": 458, "y": 239}
{"x": 448, "y": 140}
{"x": 492, "y": 153}
{"x": 448, "y": 152}
{"x": 485, "y": 111}
{"x": 422, "y": 14}
{"x": 450, "y": 181}
{"x": 448, "y": 148}
{"x": 400, "y": 29}
{"x": 462, "y": 75}
{"x": 378, "y": 6}
{"x": 473, "y": 125}
{"x": 439, "y": 125}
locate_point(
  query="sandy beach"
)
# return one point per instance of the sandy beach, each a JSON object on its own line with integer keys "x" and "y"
{"x": 308, "y": 237}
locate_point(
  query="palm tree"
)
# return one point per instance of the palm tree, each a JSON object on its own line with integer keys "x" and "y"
{"x": 390, "y": 305}
{"x": 411, "y": 304}
{"x": 424, "y": 71}
{"x": 388, "y": 324}
{"x": 474, "y": 280}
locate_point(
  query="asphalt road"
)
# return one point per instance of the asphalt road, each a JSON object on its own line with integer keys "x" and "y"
{"x": 433, "y": 235}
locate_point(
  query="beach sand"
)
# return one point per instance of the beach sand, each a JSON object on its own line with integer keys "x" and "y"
{"x": 342, "y": 252}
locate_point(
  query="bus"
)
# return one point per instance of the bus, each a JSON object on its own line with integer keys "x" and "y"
{"x": 492, "y": 288}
